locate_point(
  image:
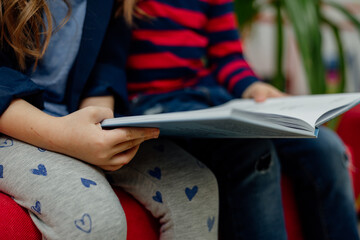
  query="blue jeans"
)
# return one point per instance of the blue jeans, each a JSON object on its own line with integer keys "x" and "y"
{"x": 249, "y": 172}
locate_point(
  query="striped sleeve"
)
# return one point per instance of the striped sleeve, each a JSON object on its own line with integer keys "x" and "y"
{"x": 225, "y": 53}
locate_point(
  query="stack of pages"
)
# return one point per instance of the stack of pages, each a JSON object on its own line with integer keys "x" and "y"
{"x": 286, "y": 117}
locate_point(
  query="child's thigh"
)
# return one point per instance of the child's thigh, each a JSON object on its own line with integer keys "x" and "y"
{"x": 323, "y": 157}
{"x": 176, "y": 188}
{"x": 65, "y": 197}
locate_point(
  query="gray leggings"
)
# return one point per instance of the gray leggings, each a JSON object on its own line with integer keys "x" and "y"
{"x": 69, "y": 199}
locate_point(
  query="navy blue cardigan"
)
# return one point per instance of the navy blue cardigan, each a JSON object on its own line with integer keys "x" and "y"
{"x": 95, "y": 71}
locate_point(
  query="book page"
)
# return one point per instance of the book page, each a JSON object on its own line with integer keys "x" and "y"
{"x": 307, "y": 108}
{"x": 277, "y": 117}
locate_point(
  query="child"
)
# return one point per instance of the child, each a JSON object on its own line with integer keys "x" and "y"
{"x": 186, "y": 55}
{"x": 57, "y": 163}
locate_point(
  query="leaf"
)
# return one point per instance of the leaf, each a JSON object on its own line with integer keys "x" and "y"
{"x": 304, "y": 17}
{"x": 341, "y": 54}
{"x": 279, "y": 80}
{"x": 246, "y": 11}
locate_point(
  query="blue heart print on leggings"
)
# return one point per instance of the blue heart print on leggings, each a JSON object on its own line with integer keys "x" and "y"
{"x": 41, "y": 149}
{"x": 158, "y": 197}
{"x": 37, "y": 207}
{"x": 8, "y": 142}
{"x": 41, "y": 170}
{"x": 156, "y": 173}
{"x": 87, "y": 182}
{"x": 210, "y": 223}
{"x": 84, "y": 224}
{"x": 191, "y": 192}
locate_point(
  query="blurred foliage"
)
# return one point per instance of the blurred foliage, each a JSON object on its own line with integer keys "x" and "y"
{"x": 306, "y": 18}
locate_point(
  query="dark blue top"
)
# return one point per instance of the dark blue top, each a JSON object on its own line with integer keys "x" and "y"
{"x": 54, "y": 67}
{"x": 92, "y": 74}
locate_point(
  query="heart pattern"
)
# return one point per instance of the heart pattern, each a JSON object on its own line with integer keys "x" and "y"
{"x": 41, "y": 150}
{"x": 190, "y": 193}
{"x": 41, "y": 170}
{"x": 87, "y": 182}
{"x": 158, "y": 197}
{"x": 8, "y": 142}
{"x": 156, "y": 173}
{"x": 37, "y": 207}
{"x": 84, "y": 224}
{"x": 210, "y": 223}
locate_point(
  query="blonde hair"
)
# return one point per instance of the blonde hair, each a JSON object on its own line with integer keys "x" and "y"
{"x": 27, "y": 26}
{"x": 128, "y": 9}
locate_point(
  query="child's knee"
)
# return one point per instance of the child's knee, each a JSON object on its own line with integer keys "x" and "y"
{"x": 328, "y": 143}
{"x": 109, "y": 224}
{"x": 93, "y": 221}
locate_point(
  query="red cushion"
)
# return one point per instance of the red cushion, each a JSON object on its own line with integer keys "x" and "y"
{"x": 349, "y": 131}
{"x": 15, "y": 222}
{"x": 140, "y": 223}
{"x": 291, "y": 215}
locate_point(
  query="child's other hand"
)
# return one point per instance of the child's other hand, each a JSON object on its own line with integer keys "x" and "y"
{"x": 260, "y": 91}
{"x": 82, "y": 137}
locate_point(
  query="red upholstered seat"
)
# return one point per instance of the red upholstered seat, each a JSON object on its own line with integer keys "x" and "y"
{"x": 15, "y": 222}
{"x": 141, "y": 224}
{"x": 292, "y": 222}
{"x": 349, "y": 131}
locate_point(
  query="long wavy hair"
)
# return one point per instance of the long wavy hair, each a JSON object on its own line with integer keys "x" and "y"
{"x": 27, "y": 25}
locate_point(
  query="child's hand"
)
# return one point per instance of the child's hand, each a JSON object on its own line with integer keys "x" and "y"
{"x": 260, "y": 91}
{"x": 82, "y": 137}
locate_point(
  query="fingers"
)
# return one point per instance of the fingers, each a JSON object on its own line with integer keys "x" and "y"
{"x": 124, "y": 157}
{"x": 118, "y": 146}
{"x": 110, "y": 168}
{"x": 262, "y": 94}
{"x": 260, "y": 91}
{"x": 122, "y": 135}
{"x": 120, "y": 159}
{"x": 122, "y": 147}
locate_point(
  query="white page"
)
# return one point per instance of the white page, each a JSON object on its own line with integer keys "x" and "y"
{"x": 309, "y": 108}
{"x": 277, "y": 117}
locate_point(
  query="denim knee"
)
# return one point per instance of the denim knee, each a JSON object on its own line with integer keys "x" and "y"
{"x": 252, "y": 158}
{"x": 328, "y": 144}
{"x": 325, "y": 159}
{"x": 330, "y": 153}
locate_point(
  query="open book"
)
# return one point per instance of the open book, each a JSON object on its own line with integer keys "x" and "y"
{"x": 286, "y": 117}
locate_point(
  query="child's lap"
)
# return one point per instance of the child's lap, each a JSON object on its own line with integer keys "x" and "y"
{"x": 28, "y": 172}
{"x": 60, "y": 192}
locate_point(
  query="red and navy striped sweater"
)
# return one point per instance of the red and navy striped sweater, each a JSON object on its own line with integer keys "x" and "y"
{"x": 186, "y": 43}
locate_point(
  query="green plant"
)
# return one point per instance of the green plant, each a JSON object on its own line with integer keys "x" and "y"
{"x": 306, "y": 18}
